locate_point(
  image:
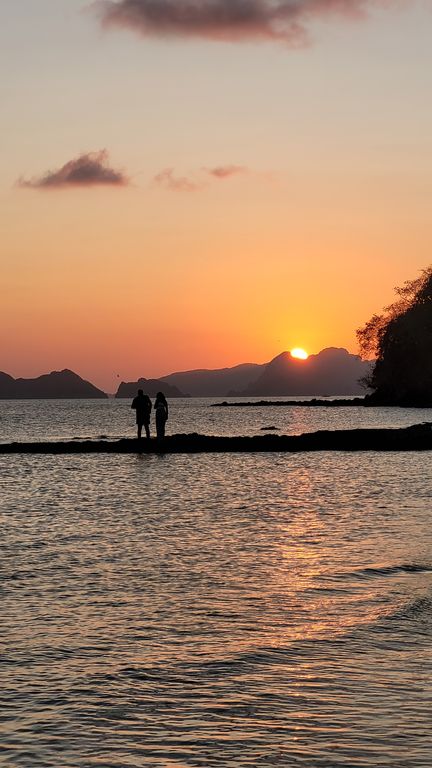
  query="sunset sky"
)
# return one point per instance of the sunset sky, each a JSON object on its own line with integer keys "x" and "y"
{"x": 185, "y": 185}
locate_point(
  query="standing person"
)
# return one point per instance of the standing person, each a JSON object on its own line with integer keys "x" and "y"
{"x": 142, "y": 405}
{"x": 161, "y": 408}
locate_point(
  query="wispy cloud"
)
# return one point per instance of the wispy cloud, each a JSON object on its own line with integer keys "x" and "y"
{"x": 198, "y": 180}
{"x": 230, "y": 20}
{"x": 169, "y": 180}
{"x": 225, "y": 171}
{"x": 84, "y": 171}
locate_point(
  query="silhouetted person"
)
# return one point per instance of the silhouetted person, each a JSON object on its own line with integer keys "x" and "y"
{"x": 161, "y": 408}
{"x": 142, "y": 405}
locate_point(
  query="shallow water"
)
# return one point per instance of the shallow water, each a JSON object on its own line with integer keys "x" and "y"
{"x": 229, "y": 610}
{"x": 26, "y": 420}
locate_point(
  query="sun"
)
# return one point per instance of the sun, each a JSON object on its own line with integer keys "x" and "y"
{"x": 299, "y": 353}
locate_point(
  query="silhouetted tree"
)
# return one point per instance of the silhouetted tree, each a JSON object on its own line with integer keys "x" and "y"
{"x": 401, "y": 340}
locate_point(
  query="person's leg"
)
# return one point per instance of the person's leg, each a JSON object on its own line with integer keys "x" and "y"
{"x": 147, "y": 429}
{"x": 139, "y": 431}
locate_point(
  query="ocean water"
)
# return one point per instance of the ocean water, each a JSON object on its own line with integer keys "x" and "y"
{"x": 27, "y": 420}
{"x": 213, "y": 610}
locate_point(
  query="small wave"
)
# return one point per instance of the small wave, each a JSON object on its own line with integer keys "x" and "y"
{"x": 419, "y": 608}
{"x": 384, "y": 570}
{"x": 389, "y": 570}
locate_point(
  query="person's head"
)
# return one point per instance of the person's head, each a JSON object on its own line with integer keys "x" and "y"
{"x": 140, "y": 392}
{"x": 160, "y": 396}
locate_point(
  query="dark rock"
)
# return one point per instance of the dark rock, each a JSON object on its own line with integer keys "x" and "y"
{"x": 415, "y": 438}
{"x": 313, "y": 403}
{"x": 412, "y": 400}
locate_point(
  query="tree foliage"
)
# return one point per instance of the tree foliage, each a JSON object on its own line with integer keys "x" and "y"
{"x": 401, "y": 340}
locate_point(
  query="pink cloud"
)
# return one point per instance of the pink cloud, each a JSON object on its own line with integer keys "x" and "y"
{"x": 169, "y": 180}
{"x": 84, "y": 171}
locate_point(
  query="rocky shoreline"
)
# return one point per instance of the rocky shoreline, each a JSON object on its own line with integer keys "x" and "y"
{"x": 415, "y": 438}
{"x": 314, "y": 403}
{"x": 369, "y": 401}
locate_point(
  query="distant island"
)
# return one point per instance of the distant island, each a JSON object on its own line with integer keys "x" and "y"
{"x": 150, "y": 387}
{"x": 219, "y": 382}
{"x": 400, "y": 374}
{"x": 332, "y": 372}
{"x": 397, "y": 370}
{"x": 55, "y": 385}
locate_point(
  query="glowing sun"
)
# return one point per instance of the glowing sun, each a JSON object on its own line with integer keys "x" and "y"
{"x": 299, "y": 353}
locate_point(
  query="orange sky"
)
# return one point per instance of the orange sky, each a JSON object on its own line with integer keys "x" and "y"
{"x": 328, "y": 211}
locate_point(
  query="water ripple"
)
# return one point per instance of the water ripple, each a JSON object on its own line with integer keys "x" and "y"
{"x": 236, "y": 611}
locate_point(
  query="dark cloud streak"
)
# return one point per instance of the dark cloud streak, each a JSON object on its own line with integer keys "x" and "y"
{"x": 87, "y": 170}
{"x": 225, "y": 171}
{"x": 230, "y": 20}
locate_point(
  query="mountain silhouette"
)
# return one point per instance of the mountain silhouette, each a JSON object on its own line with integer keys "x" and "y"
{"x": 333, "y": 371}
{"x": 57, "y": 384}
{"x": 150, "y": 387}
{"x": 214, "y": 383}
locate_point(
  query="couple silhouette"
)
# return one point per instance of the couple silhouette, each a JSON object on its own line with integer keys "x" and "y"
{"x": 142, "y": 405}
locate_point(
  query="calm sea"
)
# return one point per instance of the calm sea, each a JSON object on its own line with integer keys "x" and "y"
{"x": 213, "y": 610}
